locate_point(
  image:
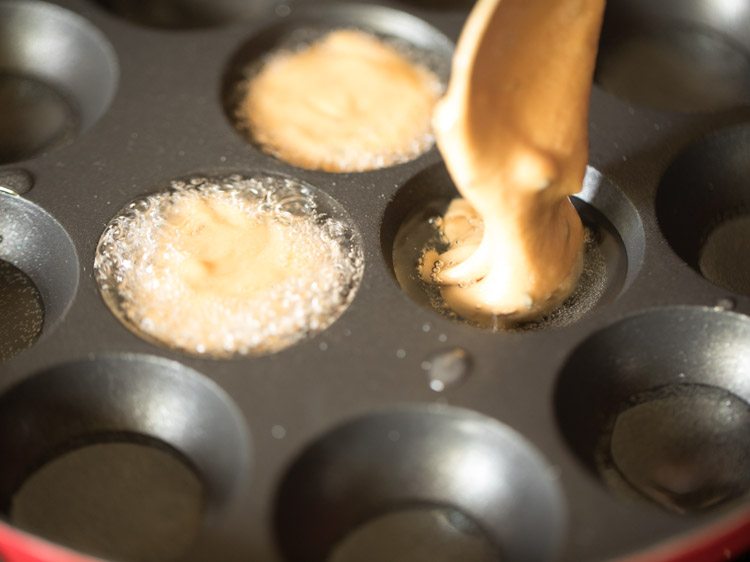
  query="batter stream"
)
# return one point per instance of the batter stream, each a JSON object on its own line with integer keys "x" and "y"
{"x": 513, "y": 130}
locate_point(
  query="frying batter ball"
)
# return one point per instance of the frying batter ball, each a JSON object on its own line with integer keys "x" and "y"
{"x": 347, "y": 103}
{"x": 513, "y": 130}
{"x": 227, "y": 267}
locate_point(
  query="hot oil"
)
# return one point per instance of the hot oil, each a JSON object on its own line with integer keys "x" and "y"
{"x": 178, "y": 287}
{"x": 422, "y": 231}
{"x": 121, "y": 501}
{"x": 335, "y": 110}
{"x": 685, "y": 447}
{"x": 21, "y": 311}
{"x": 429, "y": 534}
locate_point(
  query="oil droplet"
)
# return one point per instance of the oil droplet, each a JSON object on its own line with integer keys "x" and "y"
{"x": 446, "y": 369}
{"x": 420, "y": 232}
{"x": 170, "y": 268}
{"x": 726, "y": 303}
{"x": 417, "y": 534}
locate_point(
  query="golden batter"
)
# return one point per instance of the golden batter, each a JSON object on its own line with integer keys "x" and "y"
{"x": 235, "y": 266}
{"x": 513, "y": 130}
{"x": 224, "y": 254}
{"x": 347, "y": 103}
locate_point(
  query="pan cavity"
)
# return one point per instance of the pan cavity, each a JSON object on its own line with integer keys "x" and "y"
{"x": 344, "y": 89}
{"x": 188, "y": 14}
{"x": 47, "y": 100}
{"x": 675, "y": 55}
{"x": 123, "y": 458}
{"x": 230, "y": 266}
{"x": 613, "y": 252}
{"x": 419, "y": 484}
{"x": 703, "y": 208}
{"x": 657, "y": 406}
{"x": 38, "y": 274}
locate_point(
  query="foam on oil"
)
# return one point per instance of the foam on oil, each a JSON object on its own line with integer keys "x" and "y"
{"x": 230, "y": 266}
{"x": 333, "y": 119}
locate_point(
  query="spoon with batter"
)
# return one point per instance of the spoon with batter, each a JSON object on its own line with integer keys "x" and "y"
{"x": 513, "y": 131}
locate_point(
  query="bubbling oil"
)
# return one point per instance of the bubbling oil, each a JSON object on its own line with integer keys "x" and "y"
{"x": 230, "y": 266}
{"x": 423, "y": 231}
{"x": 319, "y": 103}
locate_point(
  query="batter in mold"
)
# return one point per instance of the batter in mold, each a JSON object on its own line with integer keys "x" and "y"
{"x": 513, "y": 130}
{"x": 232, "y": 266}
{"x": 346, "y": 103}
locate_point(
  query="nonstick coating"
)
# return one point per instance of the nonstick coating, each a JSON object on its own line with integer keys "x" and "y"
{"x": 297, "y": 448}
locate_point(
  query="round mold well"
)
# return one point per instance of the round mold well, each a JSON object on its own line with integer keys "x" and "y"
{"x": 58, "y": 75}
{"x": 658, "y": 407}
{"x": 612, "y": 260}
{"x": 309, "y": 22}
{"x": 16, "y": 181}
{"x": 310, "y": 263}
{"x": 419, "y": 483}
{"x": 188, "y": 14}
{"x": 677, "y": 55}
{"x": 122, "y": 457}
{"x": 703, "y": 208}
{"x": 39, "y": 273}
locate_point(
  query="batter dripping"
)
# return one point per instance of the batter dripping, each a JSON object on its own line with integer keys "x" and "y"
{"x": 347, "y": 103}
{"x": 513, "y": 132}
